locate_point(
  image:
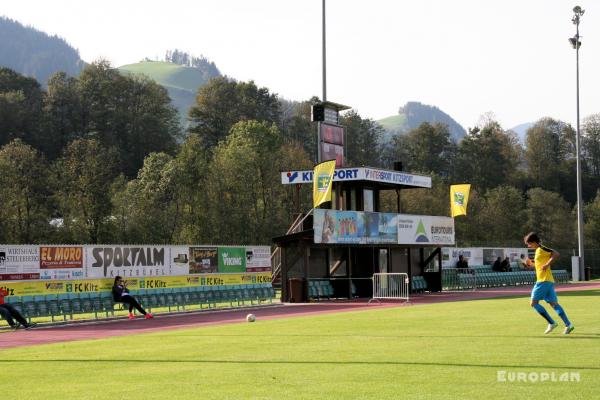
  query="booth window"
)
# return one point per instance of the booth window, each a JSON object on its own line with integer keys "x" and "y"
{"x": 368, "y": 200}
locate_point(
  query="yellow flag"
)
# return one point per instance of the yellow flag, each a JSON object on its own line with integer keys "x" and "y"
{"x": 322, "y": 182}
{"x": 459, "y": 197}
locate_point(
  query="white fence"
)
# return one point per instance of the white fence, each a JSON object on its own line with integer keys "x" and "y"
{"x": 390, "y": 286}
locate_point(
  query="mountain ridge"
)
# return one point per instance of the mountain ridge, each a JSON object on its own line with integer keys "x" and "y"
{"x": 36, "y": 54}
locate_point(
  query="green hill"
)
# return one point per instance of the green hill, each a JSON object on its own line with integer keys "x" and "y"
{"x": 182, "y": 82}
{"x": 395, "y": 123}
{"x": 413, "y": 114}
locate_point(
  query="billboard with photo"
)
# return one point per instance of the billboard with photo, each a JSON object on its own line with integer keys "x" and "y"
{"x": 331, "y": 226}
{"x": 381, "y": 227}
{"x": 204, "y": 259}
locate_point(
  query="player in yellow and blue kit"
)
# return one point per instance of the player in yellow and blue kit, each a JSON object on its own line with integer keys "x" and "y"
{"x": 544, "y": 285}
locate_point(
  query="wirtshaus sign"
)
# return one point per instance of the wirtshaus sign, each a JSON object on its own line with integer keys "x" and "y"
{"x": 126, "y": 261}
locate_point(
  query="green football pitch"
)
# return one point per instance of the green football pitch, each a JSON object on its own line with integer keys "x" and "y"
{"x": 481, "y": 349}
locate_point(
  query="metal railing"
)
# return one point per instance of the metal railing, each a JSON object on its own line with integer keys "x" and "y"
{"x": 390, "y": 286}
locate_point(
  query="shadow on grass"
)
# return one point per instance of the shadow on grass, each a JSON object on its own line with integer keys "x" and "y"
{"x": 284, "y": 362}
{"x": 588, "y": 336}
{"x": 527, "y": 295}
{"x": 583, "y": 293}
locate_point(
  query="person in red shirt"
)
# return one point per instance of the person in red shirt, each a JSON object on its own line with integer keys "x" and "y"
{"x": 9, "y": 313}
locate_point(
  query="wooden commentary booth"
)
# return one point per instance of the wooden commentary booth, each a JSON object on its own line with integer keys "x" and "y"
{"x": 343, "y": 243}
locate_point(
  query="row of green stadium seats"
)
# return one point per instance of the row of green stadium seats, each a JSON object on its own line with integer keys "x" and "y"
{"x": 517, "y": 278}
{"x": 320, "y": 289}
{"x": 200, "y": 295}
{"x": 481, "y": 268}
{"x": 455, "y": 280}
{"x": 495, "y": 279}
{"x": 418, "y": 284}
{"x": 64, "y": 305}
{"x": 514, "y": 266}
{"x": 69, "y": 304}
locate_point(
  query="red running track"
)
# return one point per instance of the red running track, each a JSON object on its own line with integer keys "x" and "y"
{"x": 120, "y": 327}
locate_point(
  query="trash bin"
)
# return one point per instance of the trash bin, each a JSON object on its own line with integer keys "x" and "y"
{"x": 296, "y": 290}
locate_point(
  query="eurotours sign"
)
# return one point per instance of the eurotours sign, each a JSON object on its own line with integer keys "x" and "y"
{"x": 361, "y": 174}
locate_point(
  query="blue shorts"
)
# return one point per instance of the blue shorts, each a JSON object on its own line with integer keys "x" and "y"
{"x": 544, "y": 291}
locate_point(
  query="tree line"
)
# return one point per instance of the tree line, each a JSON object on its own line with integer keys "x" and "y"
{"x": 101, "y": 158}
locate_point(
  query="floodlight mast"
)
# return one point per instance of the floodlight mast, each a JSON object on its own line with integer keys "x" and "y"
{"x": 576, "y": 43}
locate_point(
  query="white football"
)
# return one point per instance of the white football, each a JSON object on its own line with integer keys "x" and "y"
{"x": 250, "y": 318}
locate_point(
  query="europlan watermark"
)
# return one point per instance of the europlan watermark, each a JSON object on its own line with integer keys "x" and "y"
{"x": 537, "y": 376}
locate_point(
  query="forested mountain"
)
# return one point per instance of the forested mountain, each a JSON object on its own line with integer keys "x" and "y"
{"x": 414, "y": 114}
{"x": 34, "y": 53}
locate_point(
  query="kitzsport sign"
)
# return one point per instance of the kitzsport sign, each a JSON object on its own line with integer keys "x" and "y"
{"x": 360, "y": 174}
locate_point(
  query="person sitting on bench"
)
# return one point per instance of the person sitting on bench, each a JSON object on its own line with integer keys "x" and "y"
{"x": 9, "y": 313}
{"x": 121, "y": 295}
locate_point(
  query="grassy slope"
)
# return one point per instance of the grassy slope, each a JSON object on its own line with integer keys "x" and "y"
{"x": 168, "y": 74}
{"x": 443, "y": 351}
{"x": 394, "y": 123}
{"x": 181, "y": 82}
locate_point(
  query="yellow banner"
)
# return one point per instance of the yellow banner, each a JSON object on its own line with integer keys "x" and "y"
{"x": 459, "y": 198}
{"x": 322, "y": 182}
{"x": 36, "y": 288}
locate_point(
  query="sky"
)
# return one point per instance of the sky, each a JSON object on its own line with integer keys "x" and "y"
{"x": 467, "y": 57}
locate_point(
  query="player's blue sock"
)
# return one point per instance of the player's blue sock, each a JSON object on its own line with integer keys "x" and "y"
{"x": 542, "y": 311}
{"x": 561, "y": 313}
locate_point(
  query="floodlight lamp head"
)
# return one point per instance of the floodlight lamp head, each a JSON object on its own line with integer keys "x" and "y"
{"x": 575, "y": 42}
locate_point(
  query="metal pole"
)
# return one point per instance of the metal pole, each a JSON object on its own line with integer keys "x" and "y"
{"x": 579, "y": 201}
{"x": 580, "y": 237}
{"x": 324, "y": 59}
